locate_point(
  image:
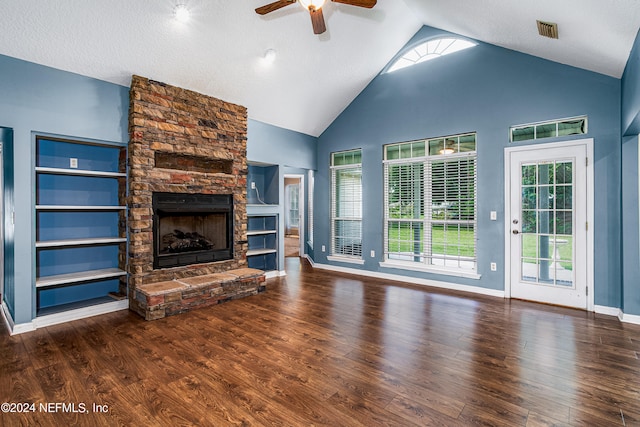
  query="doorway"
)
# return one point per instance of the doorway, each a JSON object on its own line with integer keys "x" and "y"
{"x": 294, "y": 215}
{"x": 548, "y": 209}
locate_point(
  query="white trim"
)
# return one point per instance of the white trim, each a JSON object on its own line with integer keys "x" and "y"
{"x": 302, "y": 209}
{"x": 629, "y": 318}
{"x": 607, "y": 311}
{"x": 434, "y": 270}
{"x": 413, "y": 280}
{"x": 275, "y": 273}
{"x": 80, "y": 313}
{"x": 588, "y": 143}
{"x": 11, "y": 326}
{"x": 347, "y": 260}
{"x": 63, "y": 317}
{"x": 313, "y": 264}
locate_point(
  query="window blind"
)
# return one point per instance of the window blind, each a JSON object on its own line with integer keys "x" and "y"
{"x": 346, "y": 204}
{"x": 430, "y": 202}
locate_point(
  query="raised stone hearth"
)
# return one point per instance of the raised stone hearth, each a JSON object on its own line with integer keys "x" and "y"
{"x": 185, "y": 143}
{"x": 158, "y": 300}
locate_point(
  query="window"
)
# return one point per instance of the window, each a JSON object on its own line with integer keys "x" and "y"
{"x": 430, "y": 203}
{"x": 346, "y": 204}
{"x": 292, "y": 197}
{"x": 551, "y": 129}
{"x": 430, "y": 50}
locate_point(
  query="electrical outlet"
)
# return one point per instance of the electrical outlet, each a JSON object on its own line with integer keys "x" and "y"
{"x": 494, "y": 215}
{"x": 323, "y": 248}
{"x": 253, "y": 185}
{"x": 494, "y": 266}
{"x": 373, "y": 254}
{"x": 73, "y": 163}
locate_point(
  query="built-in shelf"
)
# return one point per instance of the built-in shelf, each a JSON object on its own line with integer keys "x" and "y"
{"x": 262, "y": 234}
{"x": 80, "y": 218}
{"x": 254, "y": 252}
{"x": 79, "y": 208}
{"x": 80, "y": 242}
{"x": 259, "y": 232}
{"x": 83, "y": 276}
{"x": 80, "y": 172}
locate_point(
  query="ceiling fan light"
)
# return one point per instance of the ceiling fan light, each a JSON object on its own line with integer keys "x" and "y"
{"x": 317, "y": 4}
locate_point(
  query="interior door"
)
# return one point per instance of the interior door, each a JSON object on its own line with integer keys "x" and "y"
{"x": 548, "y": 224}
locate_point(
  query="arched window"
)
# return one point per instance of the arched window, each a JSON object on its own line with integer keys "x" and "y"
{"x": 429, "y": 50}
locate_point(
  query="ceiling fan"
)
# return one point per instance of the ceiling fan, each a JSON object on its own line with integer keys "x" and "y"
{"x": 315, "y": 9}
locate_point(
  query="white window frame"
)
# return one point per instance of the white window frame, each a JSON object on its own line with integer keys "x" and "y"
{"x": 311, "y": 180}
{"x": 427, "y": 261}
{"x": 355, "y": 255}
{"x": 556, "y": 123}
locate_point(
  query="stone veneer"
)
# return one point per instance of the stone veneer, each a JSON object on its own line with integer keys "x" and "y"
{"x": 167, "y": 121}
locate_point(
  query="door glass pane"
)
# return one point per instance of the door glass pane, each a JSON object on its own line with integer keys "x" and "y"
{"x": 547, "y": 212}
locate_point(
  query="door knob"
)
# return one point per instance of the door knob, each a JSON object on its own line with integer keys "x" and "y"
{"x": 515, "y": 232}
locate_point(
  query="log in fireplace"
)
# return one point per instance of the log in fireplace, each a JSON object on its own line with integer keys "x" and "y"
{"x": 191, "y": 229}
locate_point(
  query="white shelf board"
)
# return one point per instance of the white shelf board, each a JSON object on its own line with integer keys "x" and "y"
{"x": 79, "y": 208}
{"x": 79, "y": 242}
{"x": 83, "y": 276}
{"x": 253, "y": 252}
{"x": 80, "y": 172}
{"x": 259, "y": 232}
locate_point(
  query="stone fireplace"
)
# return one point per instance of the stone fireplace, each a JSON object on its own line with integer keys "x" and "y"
{"x": 187, "y": 200}
{"x": 191, "y": 229}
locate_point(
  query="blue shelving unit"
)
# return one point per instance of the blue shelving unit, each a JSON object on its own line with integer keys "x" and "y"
{"x": 80, "y": 223}
{"x": 262, "y": 234}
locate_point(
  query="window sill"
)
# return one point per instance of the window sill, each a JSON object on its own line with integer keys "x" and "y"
{"x": 433, "y": 270}
{"x": 345, "y": 259}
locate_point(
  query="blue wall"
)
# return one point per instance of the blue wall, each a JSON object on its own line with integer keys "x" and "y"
{"x": 291, "y": 153}
{"x": 278, "y": 146}
{"x": 39, "y": 99}
{"x": 485, "y": 89}
{"x": 630, "y": 171}
{"x": 42, "y": 100}
{"x": 631, "y": 92}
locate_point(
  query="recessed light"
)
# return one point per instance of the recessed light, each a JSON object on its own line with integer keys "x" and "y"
{"x": 181, "y": 13}
{"x": 269, "y": 56}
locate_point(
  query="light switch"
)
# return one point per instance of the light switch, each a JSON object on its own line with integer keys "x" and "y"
{"x": 494, "y": 215}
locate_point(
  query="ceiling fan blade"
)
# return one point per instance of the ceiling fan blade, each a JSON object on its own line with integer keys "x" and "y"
{"x": 317, "y": 20}
{"x": 273, "y": 6}
{"x": 360, "y": 3}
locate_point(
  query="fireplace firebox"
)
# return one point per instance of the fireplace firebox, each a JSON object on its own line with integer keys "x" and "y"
{"x": 191, "y": 229}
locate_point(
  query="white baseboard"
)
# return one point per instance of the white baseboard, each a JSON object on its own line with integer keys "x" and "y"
{"x": 275, "y": 273}
{"x": 66, "y": 316}
{"x": 80, "y": 313}
{"x": 414, "y": 280}
{"x": 629, "y": 318}
{"x": 607, "y": 311}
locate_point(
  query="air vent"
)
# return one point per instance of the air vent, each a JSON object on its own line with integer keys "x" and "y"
{"x": 548, "y": 29}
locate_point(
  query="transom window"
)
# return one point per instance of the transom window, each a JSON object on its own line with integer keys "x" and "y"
{"x": 430, "y": 203}
{"x": 346, "y": 204}
{"x": 550, "y": 129}
{"x": 430, "y": 50}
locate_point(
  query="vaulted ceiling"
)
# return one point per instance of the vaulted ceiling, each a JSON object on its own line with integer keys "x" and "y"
{"x": 219, "y": 51}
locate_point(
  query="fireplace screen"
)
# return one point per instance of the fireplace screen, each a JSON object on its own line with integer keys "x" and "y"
{"x": 191, "y": 229}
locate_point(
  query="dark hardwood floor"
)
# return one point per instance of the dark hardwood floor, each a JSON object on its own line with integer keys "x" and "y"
{"x": 322, "y": 348}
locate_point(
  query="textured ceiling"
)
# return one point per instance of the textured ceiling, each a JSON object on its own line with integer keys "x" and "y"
{"x": 218, "y": 52}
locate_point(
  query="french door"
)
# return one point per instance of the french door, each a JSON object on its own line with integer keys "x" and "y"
{"x": 547, "y": 214}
